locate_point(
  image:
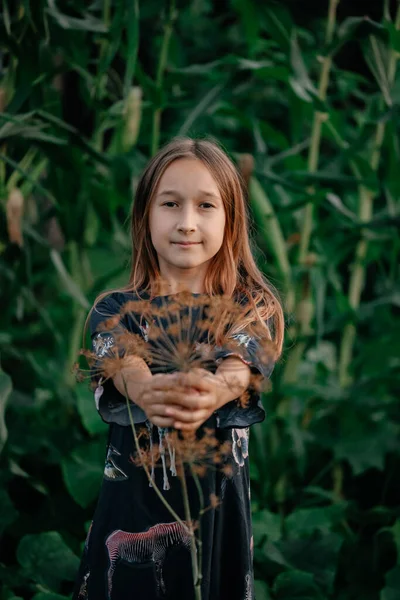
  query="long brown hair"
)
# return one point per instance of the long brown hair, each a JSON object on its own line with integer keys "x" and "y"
{"x": 232, "y": 270}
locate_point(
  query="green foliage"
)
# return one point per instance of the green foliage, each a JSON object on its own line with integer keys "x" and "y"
{"x": 85, "y": 100}
{"x": 46, "y": 558}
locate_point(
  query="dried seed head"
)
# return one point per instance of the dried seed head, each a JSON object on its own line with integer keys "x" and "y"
{"x": 14, "y": 210}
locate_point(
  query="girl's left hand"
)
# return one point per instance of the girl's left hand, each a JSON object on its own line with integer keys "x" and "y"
{"x": 202, "y": 394}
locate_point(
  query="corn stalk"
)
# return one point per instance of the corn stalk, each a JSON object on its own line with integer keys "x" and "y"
{"x": 365, "y": 212}
{"x": 305, "y": 309}
{"x": 168, "y": 27}
{"x": 273, "y": 236}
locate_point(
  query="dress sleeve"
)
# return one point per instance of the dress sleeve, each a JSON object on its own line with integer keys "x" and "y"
{"x": 110, "y": 403}
{"x": 249, "y": 350}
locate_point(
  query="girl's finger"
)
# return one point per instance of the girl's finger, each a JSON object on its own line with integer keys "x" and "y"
{"x": 162, "y": 397}
{"x": 183, "y": 399}
{"x": 187, "y": 416}
{"x": 160, "y": 410}
{"x": 192, "y": 401}
{"x": 163, "y": 382}
{"x": 162, "y": 421}
{"x": 193, "y": 379}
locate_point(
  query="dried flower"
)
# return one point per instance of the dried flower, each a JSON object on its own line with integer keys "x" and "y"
{"x": 214, "y": 501}
{"x": 198, "y": 451}
{"x": 183, "y": 332}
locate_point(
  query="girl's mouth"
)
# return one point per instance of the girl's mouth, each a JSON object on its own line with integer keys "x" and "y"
{"x": 186, "y": 243}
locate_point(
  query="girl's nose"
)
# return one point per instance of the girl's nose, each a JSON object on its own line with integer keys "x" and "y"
{"x": 187, "y": 229}
{"x": 187, "y": 222}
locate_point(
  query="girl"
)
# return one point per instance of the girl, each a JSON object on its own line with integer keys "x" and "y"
{"x": 189, "y": 228}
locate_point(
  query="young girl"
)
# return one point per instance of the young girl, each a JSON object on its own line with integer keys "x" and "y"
{"x": 189, "y": 228}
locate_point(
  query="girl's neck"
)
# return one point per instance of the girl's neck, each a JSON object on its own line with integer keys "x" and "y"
{"x": 166, "y": 287}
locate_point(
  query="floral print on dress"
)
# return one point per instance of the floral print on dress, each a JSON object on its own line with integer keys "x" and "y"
{"x": 242, "y": 338}
{"x": 248, "y": 587}
{"x": 240, "y": 445}
{"x": 112, "y": 472}
{"x": 102, "y": 343}
{"x": 144, "y": 329}
{"x": 83, "y": 590}
{"x": 98, "y": 392}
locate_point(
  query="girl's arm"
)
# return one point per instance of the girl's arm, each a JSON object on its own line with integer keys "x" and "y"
{"x": 235, "y": 377}
{"x": 152, "y": 393}
{"x": 136, "y": 374}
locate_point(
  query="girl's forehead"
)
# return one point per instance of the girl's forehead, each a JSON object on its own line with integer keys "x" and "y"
{"x": 187, "y": 173}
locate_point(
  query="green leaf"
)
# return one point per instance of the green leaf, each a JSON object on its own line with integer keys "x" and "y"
{"x": 308, "y": 520}
{"x": 89, "y": 23}
{"x": 395, "y": 529}
{"x": 261, "y": 590}
{"x": 250, "y": 19}
{"x": 49, "y": 596}
{"x": 5, "y": 391}
{"x": 8, "y": 514}
{"x": 199, "y": 108}
{"x": 268, "y": 223}
{"x": 338, "y": 204}
{"x": 69, "y": 284}
{"x": 391, "y": 590}
{"x": 296, "y": 585}
{"x": 90, "y": 418}
{"x": 266, "y": 524}
{"x": 46, "y": 559}
{"x": 376, "y": 54}
{"x": 83, "y": 472}
{"x": 300, "y": 82}
{"x": 382, "y": 438}
{"x": 279, "y": 24}
{"x": 132, "y": 34}
{"x": 394, "y": 36}
{"x": 315, "y": 554}
{"x": 354, "y": 28}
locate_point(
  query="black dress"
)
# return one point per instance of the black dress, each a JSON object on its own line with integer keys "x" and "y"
{"x": 135, "y": 549}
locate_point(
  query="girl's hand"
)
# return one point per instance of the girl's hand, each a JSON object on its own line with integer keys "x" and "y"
{"x": 198, "y": 395}
{"x": 156, "y": 394}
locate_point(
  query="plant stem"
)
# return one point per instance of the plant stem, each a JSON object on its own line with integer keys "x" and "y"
{"x": 319, "y": 118}
{"x": 103, "y": 44}
{"x": 188, "y": 525}
{"x": 155, "y": 137}
{"x": 305, "y": 309}
{"x": 365, "y": 213}
{"x": 146, "y": 470}
{"x": 133, "y": 44}
{"x": 188, "y": 517}
{"x": 199, "y": 537}
{"x": 265, "y": 214}
{"x": 99, "y": 84}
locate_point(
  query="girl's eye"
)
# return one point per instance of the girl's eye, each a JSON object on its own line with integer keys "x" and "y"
{"x": 206, "y": 205}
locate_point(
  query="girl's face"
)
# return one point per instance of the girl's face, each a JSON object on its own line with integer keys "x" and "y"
{"x": 187, "y": 220}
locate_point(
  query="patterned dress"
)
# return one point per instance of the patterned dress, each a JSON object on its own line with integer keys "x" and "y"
{"x": 135, "y": 549}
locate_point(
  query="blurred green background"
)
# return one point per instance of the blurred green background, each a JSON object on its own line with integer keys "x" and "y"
{"x": 305, "y": 97}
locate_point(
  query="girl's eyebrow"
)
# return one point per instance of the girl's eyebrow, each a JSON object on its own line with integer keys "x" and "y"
{"x": 178, "y": 195}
